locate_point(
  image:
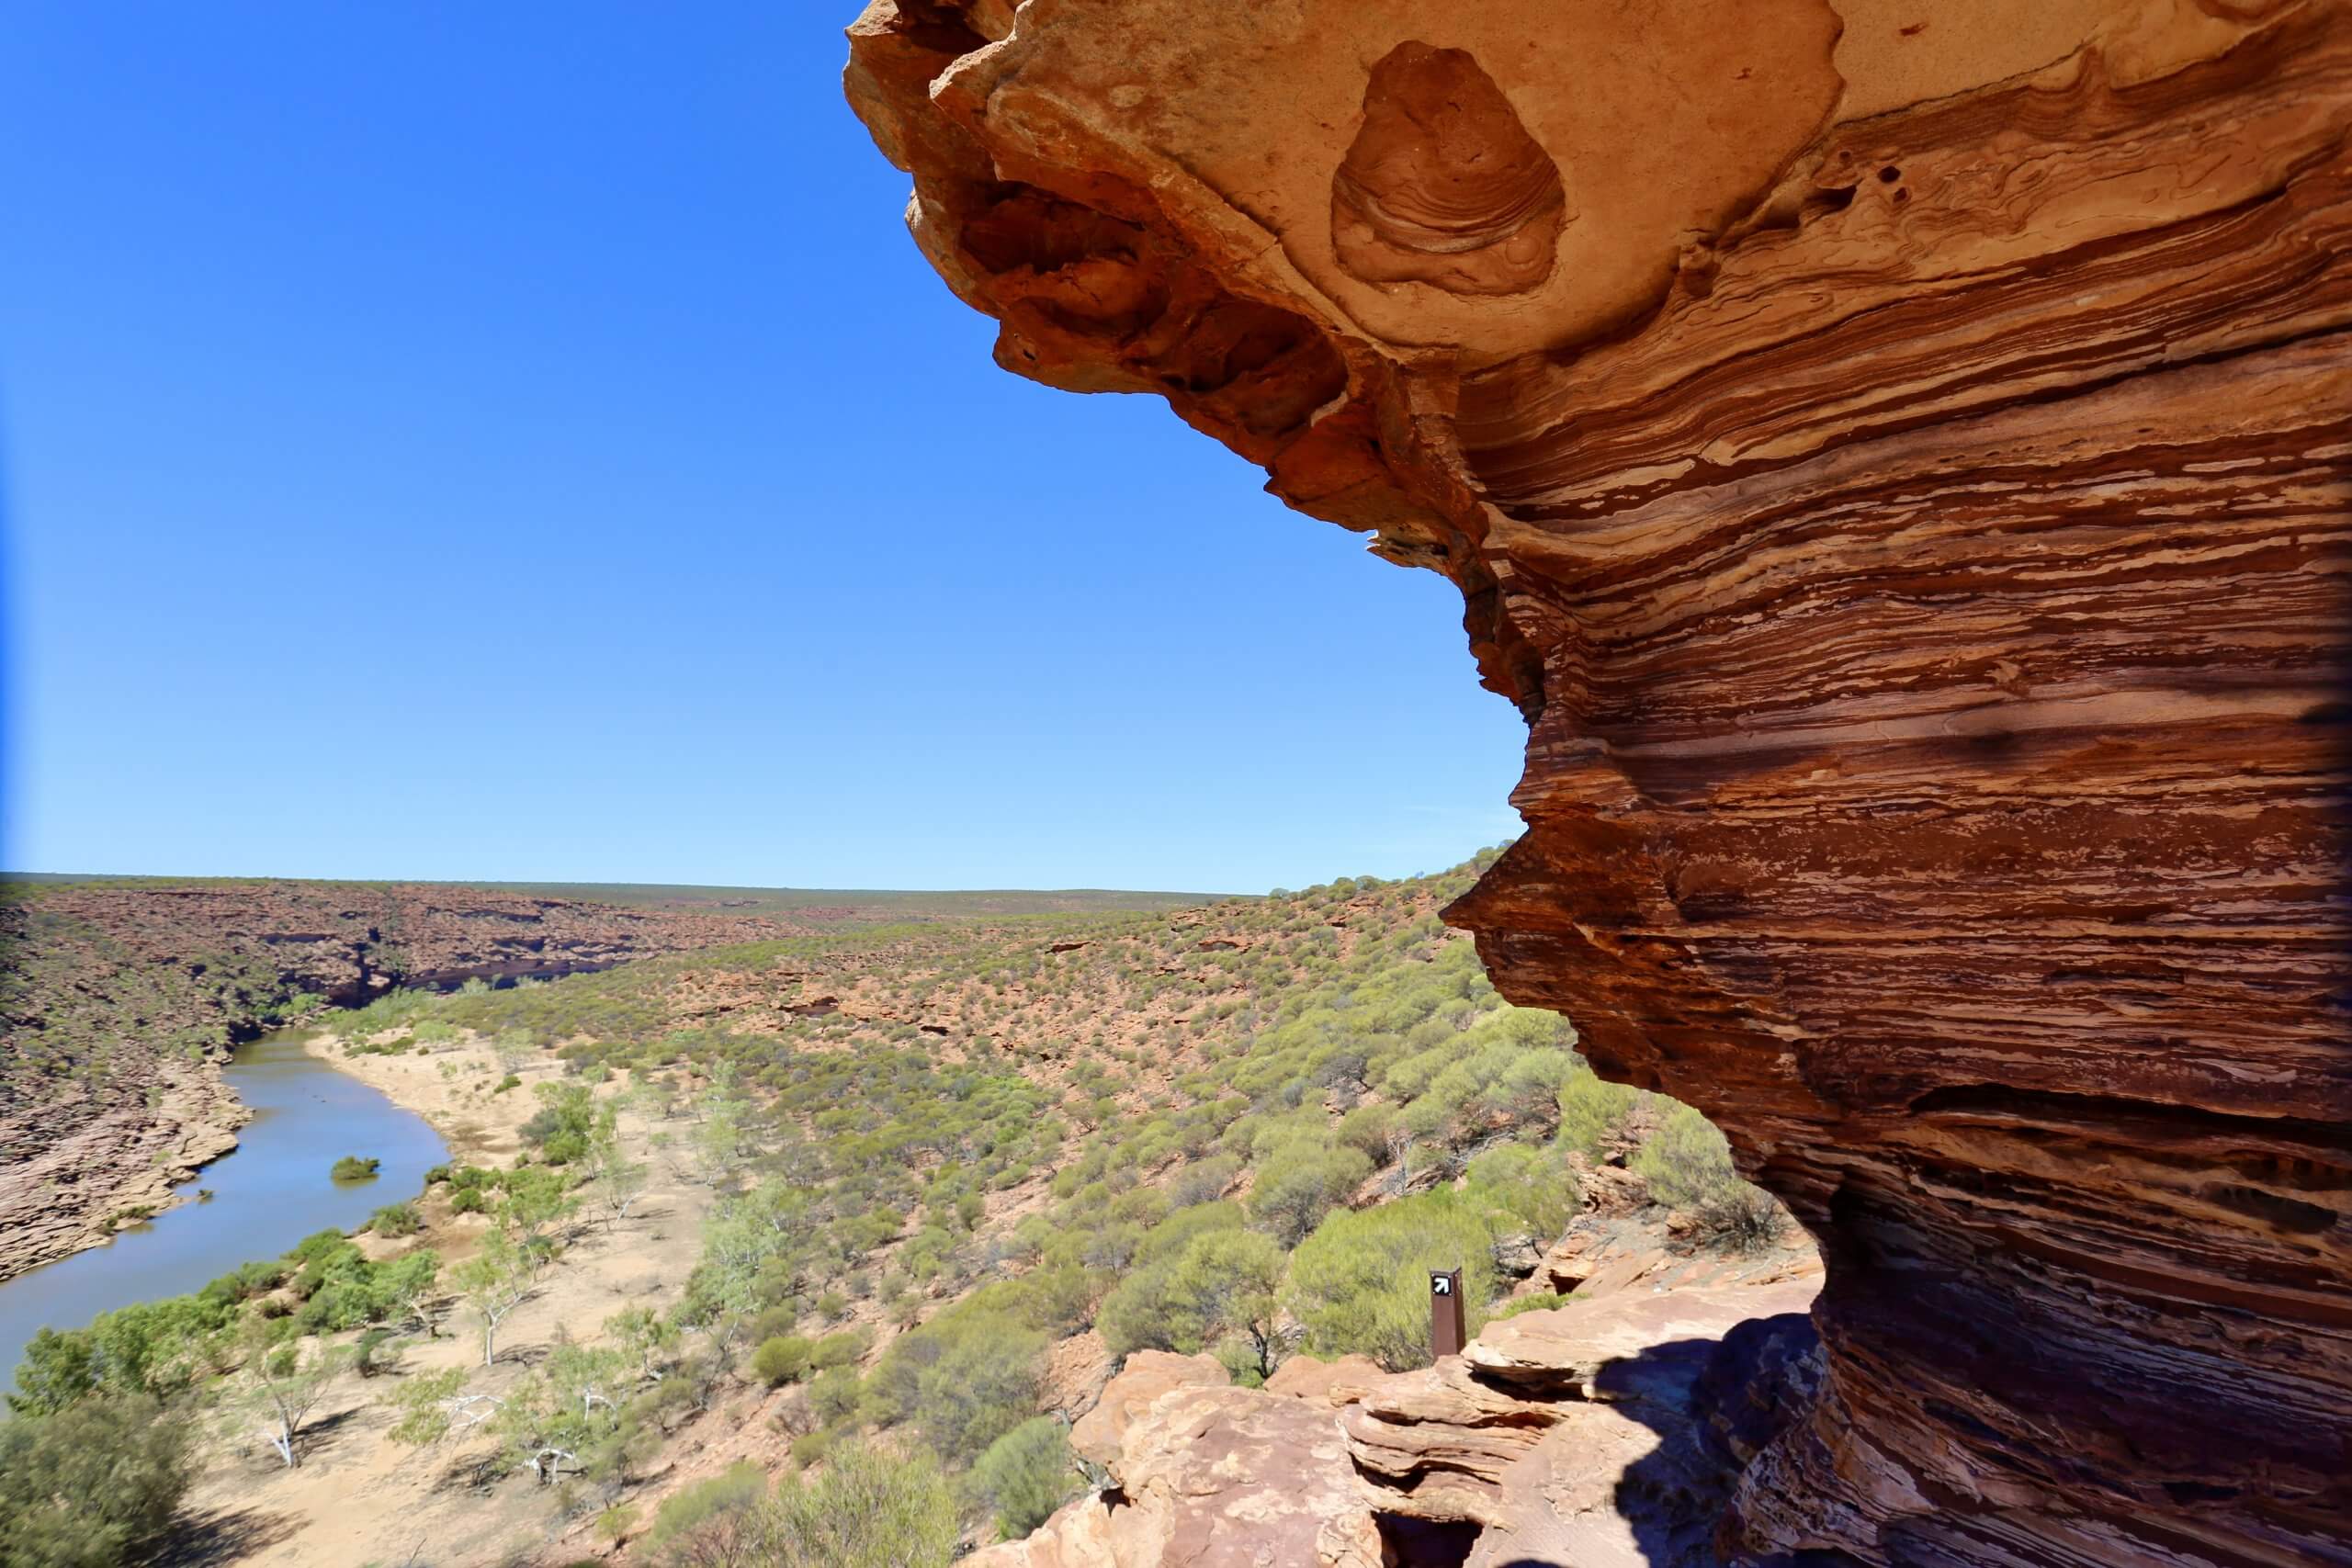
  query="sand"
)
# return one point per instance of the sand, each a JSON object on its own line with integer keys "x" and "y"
{"x": 359, "y": 1498}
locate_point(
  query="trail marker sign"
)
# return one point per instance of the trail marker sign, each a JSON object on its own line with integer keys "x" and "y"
{"x": 1446, "y": 1318}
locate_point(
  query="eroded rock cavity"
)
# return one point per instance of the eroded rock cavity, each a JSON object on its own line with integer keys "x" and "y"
{"x": 1909, "y": 503}
{"x": 1443, "y": 185}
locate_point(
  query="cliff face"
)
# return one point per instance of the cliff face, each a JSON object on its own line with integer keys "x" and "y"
{"x": 1894, "y": 453}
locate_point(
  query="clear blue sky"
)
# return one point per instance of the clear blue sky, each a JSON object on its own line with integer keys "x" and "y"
{"x": 520, "y": 442}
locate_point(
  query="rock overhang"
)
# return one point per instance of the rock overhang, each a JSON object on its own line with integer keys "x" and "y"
{"x": 1908, "y": 502}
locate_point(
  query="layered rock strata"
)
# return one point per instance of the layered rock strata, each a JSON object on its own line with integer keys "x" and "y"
{"x": 1894, "y": 454}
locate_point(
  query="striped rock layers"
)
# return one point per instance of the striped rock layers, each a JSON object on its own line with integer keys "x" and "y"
{"x": 1894, "y": 453}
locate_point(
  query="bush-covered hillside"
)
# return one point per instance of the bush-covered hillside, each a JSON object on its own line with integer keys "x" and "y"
{"x": 952, "y": 1171}
{"x": 943, "y": 1150}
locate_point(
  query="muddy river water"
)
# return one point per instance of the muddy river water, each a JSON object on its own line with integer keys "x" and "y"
{"x": 269, "y": 1193}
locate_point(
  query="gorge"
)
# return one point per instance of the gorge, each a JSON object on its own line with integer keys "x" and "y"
{"x": 1893, "y": 453}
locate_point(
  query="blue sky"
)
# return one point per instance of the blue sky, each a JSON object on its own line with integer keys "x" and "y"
{"x": 521, "y": 441}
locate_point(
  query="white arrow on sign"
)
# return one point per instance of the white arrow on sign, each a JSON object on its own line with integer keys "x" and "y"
{"x": 1440, "y": 1285}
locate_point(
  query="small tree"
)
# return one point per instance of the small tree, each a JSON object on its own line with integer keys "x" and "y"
{"x": 1227, "y": 1281}
{"x": 92, "y": 1483}
{"x": 647, "y": 1337}
{"x": 513, "y": 1049}
{"x": 719, "y": 1142}
{"x": 408, "y": 1287}
{"x": 492, "y": 1283}
{"x": 550, "y": 1420}
{"x": 283, "y": 1384}
{"x": 537, "y": 1201}
{"x": 430, "y": 1405}
{"x": 617, "y": 1180}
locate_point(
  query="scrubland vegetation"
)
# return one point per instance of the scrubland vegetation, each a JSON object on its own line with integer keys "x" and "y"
{"x": 936, "y": 1154}
{"x": 109, "y": 1016}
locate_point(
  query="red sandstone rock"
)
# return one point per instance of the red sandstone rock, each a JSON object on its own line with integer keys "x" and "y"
{"x": 1908, "y": 503}
{"x": 1077, "y": 1370}
{"x": 1334, "y": 1383}
{"x": 1100, "y": 1432}
{"x": 1207, "y": 1477}
{"x": 1602, "y": 1433}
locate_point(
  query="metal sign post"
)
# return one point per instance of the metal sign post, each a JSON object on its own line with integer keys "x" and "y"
{"x": 1446, "y": 1321}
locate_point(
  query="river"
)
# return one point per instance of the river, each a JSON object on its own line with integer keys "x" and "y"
{"x": 269, "y": 1193}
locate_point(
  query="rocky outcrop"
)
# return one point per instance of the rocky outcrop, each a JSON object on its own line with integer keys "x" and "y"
{"x": 1606, "y": 1432}
{"x": 1208, "y": 1477}
{"x": 1894, "y": 454}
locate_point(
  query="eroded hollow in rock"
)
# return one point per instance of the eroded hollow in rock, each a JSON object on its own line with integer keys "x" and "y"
{"x": 1409, "y": 1542}
{"x": 1442, "y": 183}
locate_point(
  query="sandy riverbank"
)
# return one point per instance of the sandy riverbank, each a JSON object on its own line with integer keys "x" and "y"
{"x": 453, "y": 1089}
{"x": 358, "y": 1497}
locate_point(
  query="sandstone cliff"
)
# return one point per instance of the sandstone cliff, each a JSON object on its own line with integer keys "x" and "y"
{"x": 1894, "y": 454}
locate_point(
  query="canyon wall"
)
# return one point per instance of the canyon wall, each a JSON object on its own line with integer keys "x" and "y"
{"x": 119, "y": 1000}
{"x": 1894, "y": 454}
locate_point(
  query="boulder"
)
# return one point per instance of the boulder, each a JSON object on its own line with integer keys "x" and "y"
{"x": 1100, "y": 1433}
{"x": 1210, "y": 1477}
{"x": 1334, "y": 1383}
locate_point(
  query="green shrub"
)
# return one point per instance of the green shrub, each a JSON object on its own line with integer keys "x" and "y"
{"x": 1223, "y": 1282}
{"x": 834, "y": 1393}
{"x": 1367, "y": 1129}
{"x": 841, "y": 1349}
{"x": 355, "y": 1167}
{"x": 1300, "y": 1183}
{"x": 245, "y": 1283}
{"x": 91, "y": 1485}
{"x": 1360, "y": 1283}
{"x": 963, "y": 1380}
{"x": 396, "y": 1220}
{"x": 781, "y": 1360}
{"x": 866, "y": 1510}
{"x": 1685, "y": 1163}
{"x": 613, "y": 1523}
{"x": 60, "y": 1366}
{"x": 1687, "y": 1166}
{"x": 1533, "y": 1187}
{"x": 1024, "y": 1475}
{"x": 737, "y": 1488}
{"x": 1592, "y": 1111}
